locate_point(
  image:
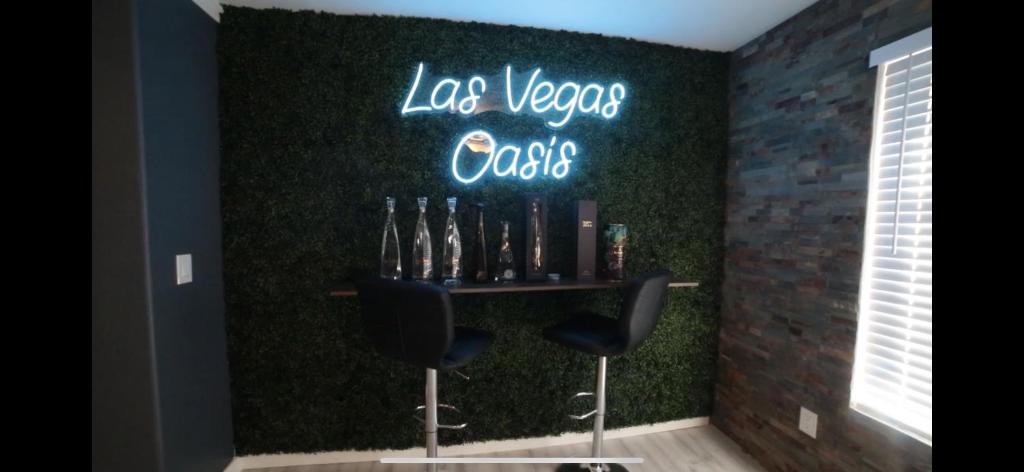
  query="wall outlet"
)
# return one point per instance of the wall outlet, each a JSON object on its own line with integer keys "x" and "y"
{"x": 183, "y": 263}
{"x": 809, "y": 422}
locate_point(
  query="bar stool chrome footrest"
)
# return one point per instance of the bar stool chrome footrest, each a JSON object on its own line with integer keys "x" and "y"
{"x": 442, "y": 426}
{"x": 585, "y": 416}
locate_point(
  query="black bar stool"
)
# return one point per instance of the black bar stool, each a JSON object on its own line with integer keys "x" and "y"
{"x": 604, "y": 337}
{"x": 412, "y": 322}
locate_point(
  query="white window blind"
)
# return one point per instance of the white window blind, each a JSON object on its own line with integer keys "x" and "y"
{"x": 892, "y": 374}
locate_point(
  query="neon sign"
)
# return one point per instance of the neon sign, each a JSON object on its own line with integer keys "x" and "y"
{"x": 557, "y": 105}
{"x": 505, "y": 161}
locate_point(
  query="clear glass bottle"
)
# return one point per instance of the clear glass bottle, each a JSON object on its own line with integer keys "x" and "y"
{"x": 451, "y": 268}
{"x": 390, "y": 257}
{"x": 422, "y": 260}
{"x": 506, "y": 265}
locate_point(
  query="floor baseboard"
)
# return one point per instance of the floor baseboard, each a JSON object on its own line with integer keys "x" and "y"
{"x": 486, "y": 447}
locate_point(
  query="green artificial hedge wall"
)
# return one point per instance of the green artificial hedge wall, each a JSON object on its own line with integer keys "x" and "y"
{"x": 312, "y": 143}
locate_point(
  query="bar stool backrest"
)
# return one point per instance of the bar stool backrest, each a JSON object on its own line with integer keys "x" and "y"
{"x": 642, "y": 306}
{"x": 407, "y": 321}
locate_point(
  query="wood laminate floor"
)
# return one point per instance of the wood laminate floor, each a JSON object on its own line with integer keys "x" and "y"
{"x": 701, "y": 449}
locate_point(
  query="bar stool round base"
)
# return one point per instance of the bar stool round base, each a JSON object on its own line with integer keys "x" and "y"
{"x": 585, "y": 468}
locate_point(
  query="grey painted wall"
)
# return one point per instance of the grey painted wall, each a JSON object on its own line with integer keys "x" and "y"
{"x": 160, "y": 378}
{"x": 178, "y": 65}
{"x": 125, "y": 427}
{"x": 801, "y": 99}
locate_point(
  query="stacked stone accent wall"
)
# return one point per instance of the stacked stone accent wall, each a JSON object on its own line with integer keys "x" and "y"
{"x": 801, "y": 99}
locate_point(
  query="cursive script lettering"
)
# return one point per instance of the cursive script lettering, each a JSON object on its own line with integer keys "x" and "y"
{"x": 505, "y": 161}
{"x": 524, "y": 93}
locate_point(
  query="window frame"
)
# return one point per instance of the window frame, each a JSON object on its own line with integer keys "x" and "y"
{"x": 880, "y": 58}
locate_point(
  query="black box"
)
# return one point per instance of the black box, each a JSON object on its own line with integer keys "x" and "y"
{"x": 536, "y": 242}
{"x": 586, "y": 239}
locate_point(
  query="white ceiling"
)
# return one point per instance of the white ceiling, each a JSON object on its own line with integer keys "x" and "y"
{"x": 718, "y": 25}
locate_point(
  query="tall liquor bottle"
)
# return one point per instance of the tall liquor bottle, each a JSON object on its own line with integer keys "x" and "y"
{"x": 422, "y": 261}
{"x": 536, "y": 237}
{"x": 452, "y": 257}
{"x": 480, "y": 247}
{"x": 390, "y": 257}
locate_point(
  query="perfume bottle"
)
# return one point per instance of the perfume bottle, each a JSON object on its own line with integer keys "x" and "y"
{"x": 390, "y": 258}
{"x": 480, "y": 247}
{"x": 452, "y": 256}
{"x": 506, "y": 265}
{"x": 422, "y": 262}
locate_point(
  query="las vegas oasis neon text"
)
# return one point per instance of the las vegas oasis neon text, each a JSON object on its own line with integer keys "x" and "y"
{"x": 556, "y": 104}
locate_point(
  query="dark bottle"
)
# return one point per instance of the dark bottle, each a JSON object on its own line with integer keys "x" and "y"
{"x": 537, "y": 259}
{"x": 536, "y": 239}
{"x": 480, "y": 248}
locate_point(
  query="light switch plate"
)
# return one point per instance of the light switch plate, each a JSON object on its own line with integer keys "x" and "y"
{"x": 183, "y": 262}
{"x": 809, "y": 422}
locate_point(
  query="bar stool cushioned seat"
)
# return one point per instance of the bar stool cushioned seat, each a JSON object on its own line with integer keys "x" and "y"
{"x": 590, "y": 333}
{"x": 602, "y": 336}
